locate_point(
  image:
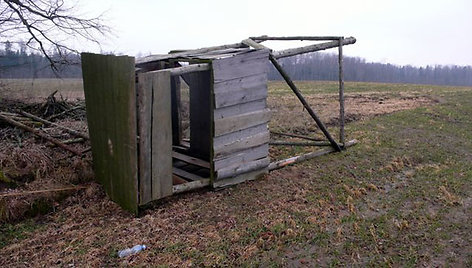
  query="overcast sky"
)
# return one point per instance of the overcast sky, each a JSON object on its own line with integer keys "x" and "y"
{"x": 416, "y": 32}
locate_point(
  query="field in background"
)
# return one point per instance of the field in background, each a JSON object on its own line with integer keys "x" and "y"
{"x": 39, "y": 89}
{"x": 401, "y": 197}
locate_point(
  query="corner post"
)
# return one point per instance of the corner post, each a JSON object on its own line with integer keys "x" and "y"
{"x": 341, "y": 93}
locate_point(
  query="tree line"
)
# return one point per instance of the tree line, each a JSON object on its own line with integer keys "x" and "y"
{"x": 17, "y": 62}
{"x": 324, "y": 66}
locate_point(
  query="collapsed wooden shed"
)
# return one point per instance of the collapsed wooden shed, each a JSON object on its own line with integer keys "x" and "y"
{"x": 135, "y": 118}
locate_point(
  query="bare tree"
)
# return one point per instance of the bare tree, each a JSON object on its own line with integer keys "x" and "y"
{"x": 49, "y": 26}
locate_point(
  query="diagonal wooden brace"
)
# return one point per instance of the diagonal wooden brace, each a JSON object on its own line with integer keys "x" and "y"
{"x": 297, "y": 92}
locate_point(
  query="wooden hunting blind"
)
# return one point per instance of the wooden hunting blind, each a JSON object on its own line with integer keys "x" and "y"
{"x": 136, "y": 118}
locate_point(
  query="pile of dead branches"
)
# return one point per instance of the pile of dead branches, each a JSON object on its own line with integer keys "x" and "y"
{"x": 43, "y": 155}
{"x": 44, "y": 126}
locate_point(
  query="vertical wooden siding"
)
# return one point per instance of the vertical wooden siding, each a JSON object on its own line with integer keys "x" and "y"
{"x": 155, "y": 132}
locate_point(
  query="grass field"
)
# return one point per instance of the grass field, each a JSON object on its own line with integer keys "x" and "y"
{"x": 401, "y": 197}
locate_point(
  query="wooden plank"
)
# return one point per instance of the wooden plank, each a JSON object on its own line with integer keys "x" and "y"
{"x": 189, "y": 186}
{"x": 300, "y": 38}
{"x": 312, "y": 48}
{"x": 233, "y": 110}
{"x": 246, "y": 92}
{"x": 144, "y": 95}
{"x": 242, "y": 121}
{"x": 242, "y": 157}
{"x": 235, "y": 170}
{"x": 200, "y": 113}
{"x": 250, "y": 81}
{"x": 199, "y": 67}
{"x": 240, "y": 96}
{"x": 238, "y": 135}
{"x": 110, "y": 96}
{"x": 298, "y": 143}
{"x": 185, "y": 174}
{"x": 153, "y": 58}
{"x": 304, "y": 157}
{"x": 191, "y": 160}
{"x": 161, "y": 135}
{"x": 244, "y": 143}
{"x": 240, "y": 178}
{"x": 241, "y": 65}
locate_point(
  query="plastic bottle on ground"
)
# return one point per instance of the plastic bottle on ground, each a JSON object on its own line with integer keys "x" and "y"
{"x": 130, "y": 251}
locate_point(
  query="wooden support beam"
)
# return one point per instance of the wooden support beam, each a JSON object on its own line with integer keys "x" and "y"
{"x": 294, "y": 38}
{"x": 231, "y": 172}
{"x": 189, "y": 186}
{"x": 251, "y": 43}
{"x": 200, "y": 67}
{"x": 312, "y": 48}
{"x": 296, "y": 136}
{"x": 341, "y": 91}
{"x": 295, "y": 143}
{"x": 300, "y": 158}
{"x": 153, "y": 58}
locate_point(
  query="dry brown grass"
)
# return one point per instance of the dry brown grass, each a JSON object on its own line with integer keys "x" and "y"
{"x": 364, "y": 207}
{"x": 34, "y": 90}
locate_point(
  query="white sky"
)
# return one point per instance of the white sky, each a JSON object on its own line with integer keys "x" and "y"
{"x": 416, "y": 32}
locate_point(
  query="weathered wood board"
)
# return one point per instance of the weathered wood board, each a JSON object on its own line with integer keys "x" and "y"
{"x": 240, "y": 91}
{"x": 110, "y": 95}
{"x": 246, "y": 107}
{"x": 253, "y": 175}
{"x": 242, "y": 157}
{"x": 242, "y": 121}
{"x": 235, "y": 170}
{"x": 161, "y": 151}
{"x": 144, "y": 95}
{"x": 236, "y": 67}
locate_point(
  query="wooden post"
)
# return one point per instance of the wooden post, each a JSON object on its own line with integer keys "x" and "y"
{"x": 341, "y": 92}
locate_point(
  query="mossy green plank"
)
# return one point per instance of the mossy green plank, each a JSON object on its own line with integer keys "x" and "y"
{"x": 110, "y": 95}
